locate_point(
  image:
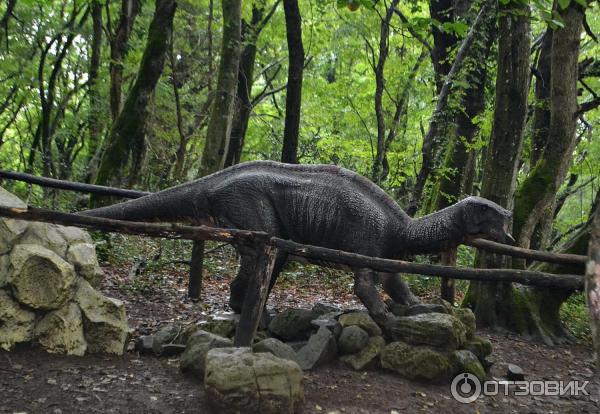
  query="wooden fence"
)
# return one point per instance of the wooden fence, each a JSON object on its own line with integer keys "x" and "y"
{"x": 266, "y": 248}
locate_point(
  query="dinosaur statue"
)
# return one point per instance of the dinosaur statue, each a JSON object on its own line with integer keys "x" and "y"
{"x": 322, "y": 205}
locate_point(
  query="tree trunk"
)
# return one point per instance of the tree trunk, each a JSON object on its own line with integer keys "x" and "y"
{"x": 293, "y": 99}
{"x": 126, "y": 141}
{"x": 95, "y": 118}
{"x": 492, "y": 302}
{"x": 592, "y": 285}
{"x": 219, "y": 126}
{"x": 442, "y": 11}
{"x": 118, "y": 50}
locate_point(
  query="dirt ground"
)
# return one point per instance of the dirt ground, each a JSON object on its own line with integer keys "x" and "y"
{"x": 32, "y": 381}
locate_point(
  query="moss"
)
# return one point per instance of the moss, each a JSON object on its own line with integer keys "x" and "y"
{"x": 417, "y": 362}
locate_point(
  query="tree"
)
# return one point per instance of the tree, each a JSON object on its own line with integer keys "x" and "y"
{"x": 492, "y": 302}
{"x": 219, "y": 126}
{"x": 125, "y": 146}
{"x": 592, "y": 285}
{"x": 293, "y": 99}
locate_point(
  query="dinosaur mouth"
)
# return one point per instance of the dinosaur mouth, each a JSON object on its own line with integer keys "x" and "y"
{"x": 509, "y": 239}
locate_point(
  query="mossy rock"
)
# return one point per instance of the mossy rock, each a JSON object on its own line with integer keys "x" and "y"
{"x": 366, "y": 356}
{"x": 16, "y": 323}
{"x": 417, "y": 362}
{"x": 439, "y": 330}
{"x": 362, "y": 320}
{"x": 61, "y": 331}
{"x": 199, "y": 343}
{"x": 467, "y": 317}
{"x": 292, "y": 324}
{"x": 467, "y": 361}
{"x": 481, "y": 347}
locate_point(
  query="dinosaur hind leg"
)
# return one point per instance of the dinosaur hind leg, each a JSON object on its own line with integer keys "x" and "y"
{"x": 364, "y": 287}
{"x": 395, "y": 286}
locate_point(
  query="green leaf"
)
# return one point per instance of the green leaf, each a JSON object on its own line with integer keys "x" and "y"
{"x": 563, "y": 4}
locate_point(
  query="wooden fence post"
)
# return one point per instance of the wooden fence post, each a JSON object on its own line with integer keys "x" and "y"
{"x": 447, "y": 284}
{"x": 256, "y": 295}
{"x": 196, "y": 268}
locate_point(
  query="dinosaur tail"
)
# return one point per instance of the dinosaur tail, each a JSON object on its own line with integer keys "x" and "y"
{"x": 186, "y": 202}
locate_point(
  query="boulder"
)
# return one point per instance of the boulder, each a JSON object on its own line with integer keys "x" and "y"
{"x": 238, "y": 381}
{"x": 425, "y": 308}
{"x": 434, "y": 329}
{"x": 39, "y": 277}
{"x": 362, "y": 320}
{"x": 417, "y": 362}
{"x": 352, "y": 339}
{"x": 321, "y": 308}
{"x": 467, "y": 317}
{"x": 74, "y": 235}
{"x": 46, "y": 235}
{"x": 292, "y": 324}
{"x": 222, "y": 324}
{"x": 61, "y": 331}
{"x": 276, "y": 347}
{"x": 144, "y": 343}
{"x": 481, "y": 347}
{"x": 83, "y": 257}
{"x": 10, "y": 229}
{"x": 193, "y": 359}
{"x": 332, "y": 324}
{"x": 320, "y": 349}
{"x": 16, "y": 323}
{"x": 171, "y": 334}
{"x": 4, "y": 269}
{"x": 367, "y": 355}
{"x": 466, "y": 361}
{"x": 104, "y": 321}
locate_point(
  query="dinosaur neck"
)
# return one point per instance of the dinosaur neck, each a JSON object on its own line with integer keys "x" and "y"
{"x": 435, "y": 232}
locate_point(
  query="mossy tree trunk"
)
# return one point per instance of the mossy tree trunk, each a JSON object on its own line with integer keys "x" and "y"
{"x": 218, "y": 131}
{"x": 536, "y": 196}
{"x": 126, "y": 140}
{"x": 592, "y": 285}
{"x": 492, "y": 302}
{"x": 250, "y": 32}
{"x": 293, "y": 99}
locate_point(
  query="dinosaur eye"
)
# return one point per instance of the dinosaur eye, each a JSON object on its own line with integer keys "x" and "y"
{"x": 484, "y": 207}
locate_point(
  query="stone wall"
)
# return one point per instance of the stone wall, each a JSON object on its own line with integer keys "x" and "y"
{"x": 47, "y": 295}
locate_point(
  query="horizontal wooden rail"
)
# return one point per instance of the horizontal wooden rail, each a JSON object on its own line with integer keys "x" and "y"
{"x": 73, "y": 186}
{"x": 166, "y": 230}
{"x": 526, "y": 277}
{"x": 562, "y": 258}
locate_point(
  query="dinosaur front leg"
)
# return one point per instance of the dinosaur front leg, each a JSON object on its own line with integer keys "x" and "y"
{"x": 364, "y": 288}
{"x": 395, "y": 286}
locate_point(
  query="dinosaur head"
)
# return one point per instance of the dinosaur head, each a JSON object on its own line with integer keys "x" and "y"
{"x": 486, "y": 219}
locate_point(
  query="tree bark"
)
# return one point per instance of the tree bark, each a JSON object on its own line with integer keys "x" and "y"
{"x": 219, "y": 126}
{"x": 492, "y": 302}
{"x": 293, "y": 99}
{"x": 126, "y": 141}
{"x": 592, "y": 285}
{"x": 118, "y": 50}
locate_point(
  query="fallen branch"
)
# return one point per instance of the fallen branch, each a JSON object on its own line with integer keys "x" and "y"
{"x": 562, "y": 258}
{"x": 328, "y": 257}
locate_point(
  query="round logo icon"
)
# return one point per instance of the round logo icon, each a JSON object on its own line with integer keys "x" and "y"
{"x": 465, "y": 388}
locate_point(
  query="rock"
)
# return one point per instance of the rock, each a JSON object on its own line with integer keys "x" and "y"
{"x": 466, "y": 361}
{"x": 481, "y": 347}
{"x": 10, "y": 229}
{"x": 321, "y": 308}
{"x": 4, "y": 268}
{"x": 397, "y": 308}
{"x": 39, "y": 277}
{"x": 168, "y": 350}
{"x": 297, "y": 345}
{"x": 434, "y": 329}
{"x": 352, "y": 339}
{"x": 320, "y": 349}
{"x": 193, "y": 359}
{"x": 143, "y": 344}
{"x": 222, "y": 324}
{"x": 277, "y": 348}
{"x": 416, "y": 362}
{"x": 447, "y": 305}
{"x": 75, "y": 235}
{"x": 292, "y": 324}
{"x": 425, "y": 308}
{"x": 16, "y": 323}
{"x": 332, "y": 324}
{"x": 362, "y": 320}
{"x": 46, "y": 235}
{"x": 104, "y": 321}
{"x": 515, "y": 373}
{"x": 168, "y": 335}
{"x": 238, "y": 381}
{"x": 467, "y": 317}
{"x": 367, "y": 355}
{"x": 61, "y": 331}
{"x": 83, "y": 257}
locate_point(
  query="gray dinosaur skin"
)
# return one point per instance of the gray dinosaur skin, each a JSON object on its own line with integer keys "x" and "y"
{"x": 322, "y": 205}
